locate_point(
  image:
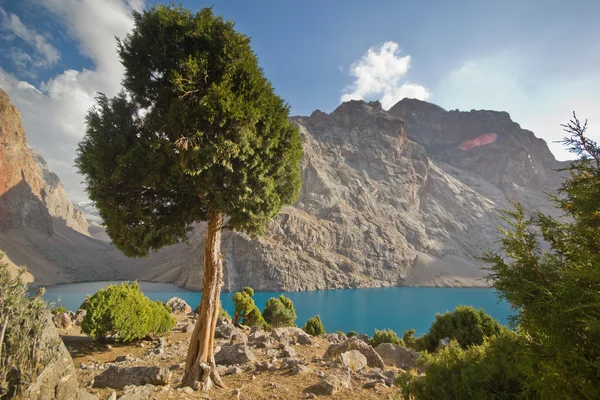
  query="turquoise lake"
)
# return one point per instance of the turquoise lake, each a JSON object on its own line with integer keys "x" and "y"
{"x": 361, "y": 310}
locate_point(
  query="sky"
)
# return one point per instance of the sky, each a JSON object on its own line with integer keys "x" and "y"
{"x": 538, "y": 60}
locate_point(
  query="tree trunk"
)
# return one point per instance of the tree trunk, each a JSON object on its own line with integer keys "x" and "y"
{"x": 200, "y": 367}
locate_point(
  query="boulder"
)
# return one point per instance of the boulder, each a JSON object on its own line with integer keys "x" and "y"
{"x": 225, "y": 331}
{"x": 58, "y": 380}
{"x": 178, "y": 306}
{"x": 329, "y": 385}
{"x": 288, "y": 334}
{"x": 234, "y": 354}
{"x": 373, "y": 359}
{"x": 335, "y": 337}
{"x": 138, "y": 392}
{"x": 118, "y": 377}
{"x": 78, "y": 317}
{"x": 354, "y": 360}
{"x": 62, "y": 320}
{"x": 398, "y": 356}
{"x": 260, "y": 338}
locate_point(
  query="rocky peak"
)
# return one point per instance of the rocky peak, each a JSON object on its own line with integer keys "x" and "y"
{"x": 30, "y": 194}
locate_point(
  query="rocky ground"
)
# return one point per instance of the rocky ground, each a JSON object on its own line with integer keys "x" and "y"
{"x": 254, "y": 364}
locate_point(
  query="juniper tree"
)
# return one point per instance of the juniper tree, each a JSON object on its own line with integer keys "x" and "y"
{"x": 197, "y": 134}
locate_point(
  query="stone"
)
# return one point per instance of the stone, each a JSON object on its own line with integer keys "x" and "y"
{"x": 304, "y": 339}
{"x": 62, "y": 320}
{"x": 363, "y": 337}
{"x": 78, "y": 317}
{"x": 335, "y": 337}
{"x": 144, "y": 392}
{"x": 178, "y": 306}
{"x": 238, "y": 338}
{"x": 373, "y": 359}
{"x": 444, "y": 342}
{"x": 126, "y": 358}
{"x": 288, "y": 351}
{"x": 233, "y": 371}
{"x": 329, "y": 385}
{"x": 113, "y": 396}
{"x": 234, "y": 354}
{"x": 371, "y": 384}
{"x": 287, "y": 334}
{"x": 398, "y": 356}
{"x": 354, "y": 360}
{"x": 82, "y": 394}
{"x": 117, "y": 377}
{"x": 58, "y": 380}
{"x": 299, "y": 369}
{"x": 225, "y": 331}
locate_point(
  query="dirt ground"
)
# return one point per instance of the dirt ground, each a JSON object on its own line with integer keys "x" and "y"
{"x": 90, "y": 358}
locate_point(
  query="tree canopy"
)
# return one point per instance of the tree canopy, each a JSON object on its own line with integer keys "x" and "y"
{"x": 196, "y": 129}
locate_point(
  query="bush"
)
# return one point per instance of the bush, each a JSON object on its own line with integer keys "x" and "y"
{"x": 314, "y": 326}
{"x": 22, "y": 320}
{"x": 465, "y": 324}
{"x": 279, "y": 312}
{"x": 352, "y": 334}
{"x": 59, "y": 310}
{"x": 223, "y": 314}
{"x": 408, "y": 338}
{"x": 385, "y": 336}
{"x": 246, "y": 311}
{"x": 487, "y": 371}
{"x": 125, "y": 314}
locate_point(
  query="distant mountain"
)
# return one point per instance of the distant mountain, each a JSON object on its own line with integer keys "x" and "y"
{"x": 403, "y": 197}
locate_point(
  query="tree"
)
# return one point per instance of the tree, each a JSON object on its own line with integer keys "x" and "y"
{"x": 314, "y": 326}
{"x": 245, "y": 311}
{"x": 554, "y": 292}
{"x": 197, "y": 134}
{"x": 385, "y": 336}
{"x": 279, "y": 312}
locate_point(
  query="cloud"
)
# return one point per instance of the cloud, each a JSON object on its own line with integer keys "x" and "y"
{"x": 378, "y": 73}
{"x": 53, "y": 113}
{"x": 48, "y": 55}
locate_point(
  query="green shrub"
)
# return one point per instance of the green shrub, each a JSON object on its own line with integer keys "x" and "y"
{"x": 59, "y": 310}
{"x": 314, "y": 326}
{"x": 465, "y": 324}
{"x": 246, "y": 311}
{"x": 488, "y": 371}
{"x": 385, "y": 336}
{"x": 352, "y": 334}
{"x": 279, "y": 312}
{"x": 409, "y": 339}
{"x": 125, "y": 314}
{"x": 22, "y": 321}
{"x": 223, "y": 314}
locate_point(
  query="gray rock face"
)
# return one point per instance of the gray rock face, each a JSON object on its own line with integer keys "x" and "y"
{"x": 388, "y": 198}
{"x": 329, "y": 385}
{"x": 58, "y": 380}
{"x": 118, "y": 377}
{"x": 336, "y": 350}
{"x": 354, "y": 360}
{"x": 235, "y": 354}
{"x": 225, "y": 331}
{"x": 398, "y": 356}
{"x": 178, "y": 306}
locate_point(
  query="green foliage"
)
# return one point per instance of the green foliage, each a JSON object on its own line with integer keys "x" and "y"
{"x": 385, "y": 336}
{"x": 223, "y": 314}
{"x": 487, "y": 371}
{"x": 213, "y": 137}
{"x": 59, "y": 310}
{"x": 340, "y": 333}
{"x": 314, "y": 326}
{"x": 352, "y": 334}
{"x": 465, "y": 324}
{"x": 555, "y": 292}
{"x": 408, "y": 338}
{"x": 124, "y": 313}
{"x": 22, "y": 321}
{"x": 246, "y": 312}
{"x": 279, "y": 312}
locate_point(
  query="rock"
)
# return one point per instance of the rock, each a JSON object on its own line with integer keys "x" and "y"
{"x": 82, "y": 394}
{"x": 126, "y": 358}
{"x": 225, "y": 331}
{"x": 288, "y": 351}
{"x": 299, "y": 369}
{"x": 138, "y": 392}
{"x": 444, "y": 342}
{"x": 238, "y": 338}
{"x": 185, "y": 326}
{"x": 58, "y": 380}
{"x": 237, "y": 393}
{"x": 335, "y": 338}
{"x": 113, "y": 396}
{"x": 354, "y": 360}
{"x": 116, "y": 377}
{"x": 371, "y": 384}
{"x": 329, "y": 385}
{"x": 178, "y": 306}
{"x": 62, "y": 320}
{"x": 304, "y": 339}
{"x": 233, "y": 371}
{"x": 363, "y": 337}
{"x": 78, "y": 317}
{"x": 373, "y": 359}
{"x": 234, "y": 354}
{"x": 288, "y": 334}
{"x": 398, "y": 356}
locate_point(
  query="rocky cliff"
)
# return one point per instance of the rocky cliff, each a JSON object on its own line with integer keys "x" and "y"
{"x": 30, "y": 195}
{"x": 404, "y": 197}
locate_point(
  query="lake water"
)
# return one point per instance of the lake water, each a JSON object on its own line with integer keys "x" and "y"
{"x": 361, "y": 310}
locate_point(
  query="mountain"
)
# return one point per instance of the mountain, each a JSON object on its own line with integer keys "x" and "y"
{"x": 404, "y": 197}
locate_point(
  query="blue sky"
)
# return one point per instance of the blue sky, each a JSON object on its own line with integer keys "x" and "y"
{"x": 538, "y": 60}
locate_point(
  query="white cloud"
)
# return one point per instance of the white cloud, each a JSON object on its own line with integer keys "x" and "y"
{"x": 53, "y": 113}
{"x": 48, "y": 54}
{"x": 378, "y": 73}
